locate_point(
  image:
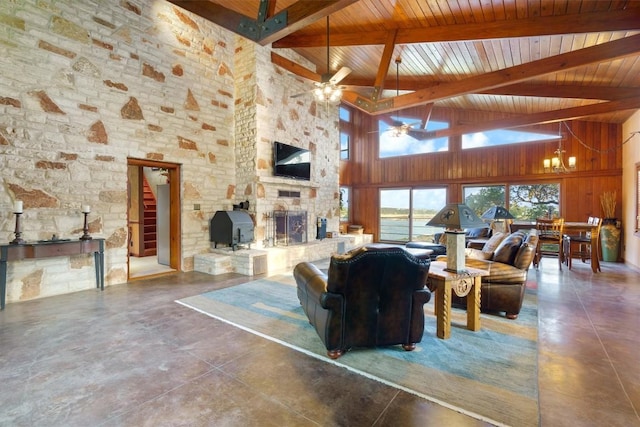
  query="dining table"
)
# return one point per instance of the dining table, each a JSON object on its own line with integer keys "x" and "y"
{"x": 573, "y": 228}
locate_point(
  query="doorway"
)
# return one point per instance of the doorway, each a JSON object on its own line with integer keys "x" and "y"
{"x": 153, "y": 218}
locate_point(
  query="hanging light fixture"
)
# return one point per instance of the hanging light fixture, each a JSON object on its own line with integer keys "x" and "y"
{"x": 556, "y": 164}
{"x": 327, "y": 91}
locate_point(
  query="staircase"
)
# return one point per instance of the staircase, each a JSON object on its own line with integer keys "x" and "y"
{"x": 148, "y": 220}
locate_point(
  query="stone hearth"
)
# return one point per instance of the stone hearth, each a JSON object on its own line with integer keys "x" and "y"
{"x": 270, "y": 261}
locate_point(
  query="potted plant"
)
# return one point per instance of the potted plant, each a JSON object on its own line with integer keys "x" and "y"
{"x": 609, "y": 232}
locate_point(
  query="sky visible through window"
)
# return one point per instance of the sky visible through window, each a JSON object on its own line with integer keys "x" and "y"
{"x": 407, "y": 144}
{"x": 502, "y": 137}
{"x": 392, "y": 144}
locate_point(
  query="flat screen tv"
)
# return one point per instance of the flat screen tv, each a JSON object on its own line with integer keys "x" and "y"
{"x": 291, "y": 162}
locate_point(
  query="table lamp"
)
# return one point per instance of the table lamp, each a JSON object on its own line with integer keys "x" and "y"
{"x": 455, "y": 217}
{"x": 498, "y": 214}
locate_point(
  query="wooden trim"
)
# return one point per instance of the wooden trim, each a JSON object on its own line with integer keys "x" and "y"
{"x": 175, "y": 213}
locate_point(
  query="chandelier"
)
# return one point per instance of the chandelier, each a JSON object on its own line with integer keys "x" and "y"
{"x": 556, "y": 164}
{"x": 327, "y": 92}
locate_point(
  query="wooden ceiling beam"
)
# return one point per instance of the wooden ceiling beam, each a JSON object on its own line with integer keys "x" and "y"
{"x": 519, "y": 73}
{"x": 539, "y": 118}
{"x": 219, "y": 15}
{"x": 383, "y": 67}
{"x": 519, "y": 89}
{"x": 565, "y": 91}
{"x": 294, "y": 68}
{"x": 593, "y": 22}
{"x": 264, "y": 30}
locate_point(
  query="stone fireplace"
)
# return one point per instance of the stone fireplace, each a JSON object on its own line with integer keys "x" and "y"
{"x": 290, "y": 227}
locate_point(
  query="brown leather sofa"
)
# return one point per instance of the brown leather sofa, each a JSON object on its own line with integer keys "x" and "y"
{"x": 503, "y": 289}
{"x": 372, "y": 296}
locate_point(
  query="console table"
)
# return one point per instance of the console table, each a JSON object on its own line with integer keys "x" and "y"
{"x": 48, "y": 249}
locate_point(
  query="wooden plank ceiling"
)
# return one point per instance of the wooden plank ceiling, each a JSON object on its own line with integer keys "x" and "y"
{"x": 538, "y": 61}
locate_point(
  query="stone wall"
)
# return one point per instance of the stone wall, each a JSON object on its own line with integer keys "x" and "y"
{"x": 274, "y": 116}
{"x": 87, "y": 84}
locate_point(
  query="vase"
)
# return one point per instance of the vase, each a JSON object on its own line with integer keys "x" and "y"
{"x": 610, "y": 240}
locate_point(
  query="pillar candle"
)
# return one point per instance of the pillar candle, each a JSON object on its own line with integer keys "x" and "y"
{"x": 17, "y": 206}
{"x": 86, "y": 208}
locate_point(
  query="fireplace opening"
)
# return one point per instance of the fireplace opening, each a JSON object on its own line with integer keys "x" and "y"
{"x": 290, "y": 227}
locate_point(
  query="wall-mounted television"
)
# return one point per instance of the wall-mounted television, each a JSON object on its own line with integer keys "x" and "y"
{"x": 291, "y": 162}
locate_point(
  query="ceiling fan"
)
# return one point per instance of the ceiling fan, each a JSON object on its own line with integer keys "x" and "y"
{"x": 326, "y": 89}
{"x": 398, "y": 127}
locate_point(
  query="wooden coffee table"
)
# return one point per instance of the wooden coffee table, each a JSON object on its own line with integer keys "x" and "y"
{"x": 443, "y": 283}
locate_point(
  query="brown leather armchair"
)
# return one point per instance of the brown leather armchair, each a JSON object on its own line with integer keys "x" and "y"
{"x": 372, "y": 296}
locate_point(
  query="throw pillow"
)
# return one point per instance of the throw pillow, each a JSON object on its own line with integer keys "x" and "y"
{"x": 508, "y": 249}
{"x": 493, "y": 242}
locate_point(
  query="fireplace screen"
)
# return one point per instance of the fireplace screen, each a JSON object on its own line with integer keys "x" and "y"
{"x": 290, "y": 227}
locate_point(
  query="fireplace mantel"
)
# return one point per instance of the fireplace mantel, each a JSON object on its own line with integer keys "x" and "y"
{"x": 287, "y": 181}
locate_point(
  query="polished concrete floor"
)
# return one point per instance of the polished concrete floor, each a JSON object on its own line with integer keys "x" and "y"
{"x": 131, "y": 356}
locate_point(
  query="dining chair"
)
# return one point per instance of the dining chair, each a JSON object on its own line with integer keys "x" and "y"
{"x": 579, "y": 245}
{"x": 550, "y": 234}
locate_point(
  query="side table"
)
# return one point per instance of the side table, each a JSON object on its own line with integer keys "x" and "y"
{"x": 443, "y": 282}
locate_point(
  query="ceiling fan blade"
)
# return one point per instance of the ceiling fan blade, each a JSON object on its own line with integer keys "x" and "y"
{"x": 421, "y": 134}
{"x": 341, "y": 74}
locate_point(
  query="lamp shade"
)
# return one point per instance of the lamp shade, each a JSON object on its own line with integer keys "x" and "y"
{"x": 456, "y": 216}
{"x": 497, "y": 212}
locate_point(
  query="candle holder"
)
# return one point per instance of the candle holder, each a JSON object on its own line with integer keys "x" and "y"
{"x": 86, "y": 235}
{"x": 18, "y": 240}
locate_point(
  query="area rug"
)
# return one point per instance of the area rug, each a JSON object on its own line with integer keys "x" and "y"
{"x": 490, "y": 375}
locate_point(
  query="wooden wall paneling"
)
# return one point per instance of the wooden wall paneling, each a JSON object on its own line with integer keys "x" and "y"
{"x": 603, "y": 152}
{"x": 616, "y": 138}
{"x": 577, "y": 195}
{"x": 345, "y": 172}
{"x": 442, "y": 166}
{"x": 368, "y": 201}
{"x": 521, "y": 163}
{"x": 595, "y": 146}
{"x": 512, "y": 160}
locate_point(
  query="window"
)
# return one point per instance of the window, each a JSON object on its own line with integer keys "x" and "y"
{"x": 404, "y": 213}
{"x": 345, "y": 114}
{"x": 344, "y": 146}
{"x": 502, "y": 137}
{"x": 344, "y": 204}
{"x": 346, "y": 130}
{"x": 397, "y": 138}
{"x": 528, "y": 202}
{"x": 482, "y": 198}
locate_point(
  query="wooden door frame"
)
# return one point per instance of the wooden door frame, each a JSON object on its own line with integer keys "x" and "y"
{"x": 175, "y": 236}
